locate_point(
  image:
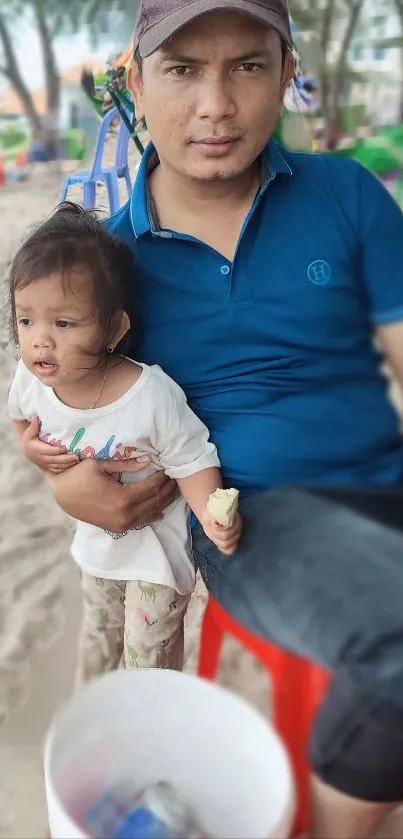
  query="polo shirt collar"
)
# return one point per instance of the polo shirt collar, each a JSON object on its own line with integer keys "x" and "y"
{"x": 141, "y": 213}
{"x": 274, "y": 154}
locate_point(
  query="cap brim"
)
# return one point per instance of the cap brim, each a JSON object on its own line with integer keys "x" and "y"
{"x": 159, "y": 34}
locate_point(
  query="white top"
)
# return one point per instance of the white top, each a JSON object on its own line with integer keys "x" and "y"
{"x": 151, "y": 418}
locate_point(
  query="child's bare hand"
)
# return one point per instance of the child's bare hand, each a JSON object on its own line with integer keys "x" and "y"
{"x": 53, "y": 459}
{"x": 226, "y": 538}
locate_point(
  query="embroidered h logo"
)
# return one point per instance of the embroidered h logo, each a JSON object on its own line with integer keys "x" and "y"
{"x": 319, "y": 272}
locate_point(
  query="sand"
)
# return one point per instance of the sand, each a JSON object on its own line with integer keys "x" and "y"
{"x": 40, "y": 603}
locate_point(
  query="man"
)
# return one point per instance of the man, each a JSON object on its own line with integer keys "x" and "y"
{"x": 262, "y": 277}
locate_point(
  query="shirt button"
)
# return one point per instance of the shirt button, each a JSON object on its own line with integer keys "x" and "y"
{"x": 225, "y": 269}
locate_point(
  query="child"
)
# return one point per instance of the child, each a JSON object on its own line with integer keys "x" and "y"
{"x": 70, "y": 314}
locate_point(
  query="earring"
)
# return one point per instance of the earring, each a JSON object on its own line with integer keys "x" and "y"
{"x": 109, "y": 350}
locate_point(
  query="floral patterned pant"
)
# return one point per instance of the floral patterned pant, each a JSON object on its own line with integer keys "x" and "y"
{"x": 130, "y": 624}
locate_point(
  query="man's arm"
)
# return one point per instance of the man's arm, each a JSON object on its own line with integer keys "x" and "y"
{"x": 391, "y": 340}
{"x": 380, "y": 234}
{"x": 380, "y": 223}
{"x": 91, "y": 492}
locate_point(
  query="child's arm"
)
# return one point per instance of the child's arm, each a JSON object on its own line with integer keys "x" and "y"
{"x": 21, "y": 402}
{"x": 19, "y": 427}
{"x": 196, "y": 490}
{"x": 53, "y": 459}
{"x": 190, "y": 458}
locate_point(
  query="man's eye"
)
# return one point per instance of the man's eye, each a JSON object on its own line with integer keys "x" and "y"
{"x": 249, "y": 67}
{"x": 24, "y": 322}
{"x": 180, "y": 70}
{"x": 64, "y": 324}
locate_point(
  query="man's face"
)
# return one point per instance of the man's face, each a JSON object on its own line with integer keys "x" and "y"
{"x": 212, "y": 95}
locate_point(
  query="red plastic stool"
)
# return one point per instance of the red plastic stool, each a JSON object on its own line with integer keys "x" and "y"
{"x": 298, "y": 687}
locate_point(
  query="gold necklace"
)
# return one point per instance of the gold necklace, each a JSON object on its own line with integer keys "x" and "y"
{"x": 102, "y": 386}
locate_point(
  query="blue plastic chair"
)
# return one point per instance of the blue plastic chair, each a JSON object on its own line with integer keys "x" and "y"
{"x": 121, "y": 161}
{"x": 110, "y": 176}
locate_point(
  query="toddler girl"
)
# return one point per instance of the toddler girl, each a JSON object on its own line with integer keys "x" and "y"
{"x": 69, "y": 289}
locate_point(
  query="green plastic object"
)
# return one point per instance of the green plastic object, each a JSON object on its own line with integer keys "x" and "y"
{"x": 381, "y": 154}
{"x": 97, "y": 103}
{"x": 125, "y": 100}
{"x": 73, "y": 144}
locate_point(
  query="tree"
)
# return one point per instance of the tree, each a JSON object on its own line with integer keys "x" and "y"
{"x": 52, "y": 78}
{"x": 47, "y": 17}
{"x": 106, "y": 18}
{"x": 328, "y": 21}
{"x": 51, "y": 18}
{"x": 399, "y": 9}
{"x": 397, "y": 43}
{"x": 341, "y": 71}
{"x": 10, "y": 69}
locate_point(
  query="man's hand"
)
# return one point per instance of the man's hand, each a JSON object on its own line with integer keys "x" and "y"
{"x": 53, "y": 459}
{"x": 92, "y": 493}
{"x": 226, "y": 538}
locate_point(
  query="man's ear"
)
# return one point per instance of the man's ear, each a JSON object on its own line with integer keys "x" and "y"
{"x": 134, "y": 83}
{"x": 123, "y": 326}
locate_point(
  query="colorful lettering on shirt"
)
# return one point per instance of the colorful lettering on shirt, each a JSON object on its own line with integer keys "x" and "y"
{"x": 110, "y": 451}
{"x": 76, "y": 439}
{"x": 47, "y": 438}
{"x": 128, "y": 451}
{"x": 105, "y": 453}
{"x": 88, "y": 452}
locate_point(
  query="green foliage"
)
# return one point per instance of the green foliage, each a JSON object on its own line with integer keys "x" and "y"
{"x": 390, "y": 43}
{"x": 12, "y": 135}
{"x": 351, "y": 117}
{"x": 73, "y": 143}
{"x": 106, "y": 17}
{"x": 63, "y": 16}
{"x": 100, "y": 79}
{"x": 309, "y": 15}
{"x": 345, "y": 71}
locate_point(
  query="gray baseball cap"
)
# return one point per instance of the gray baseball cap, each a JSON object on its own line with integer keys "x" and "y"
{"x": 159, "y": 20}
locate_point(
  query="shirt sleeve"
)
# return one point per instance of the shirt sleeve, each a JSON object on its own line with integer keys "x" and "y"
{"x": 180, "y": 438}
{"x": 381, "y": 240}
{"x": 16, "y": 393}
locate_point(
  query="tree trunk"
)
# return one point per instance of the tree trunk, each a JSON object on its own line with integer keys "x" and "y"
{"x": 400, "y": 112}
{"x": 324, "y": 80}
{"x": 399, "y": 9}
{"x": 51, "y": 72}
{"x": 12, "y": 72}
{"x": 332, "y": 128}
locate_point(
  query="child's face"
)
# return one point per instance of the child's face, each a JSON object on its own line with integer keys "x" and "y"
{"x": 58, "y": 328}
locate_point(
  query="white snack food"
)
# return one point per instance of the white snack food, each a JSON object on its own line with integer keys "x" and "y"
{"x": 222, "y": 506}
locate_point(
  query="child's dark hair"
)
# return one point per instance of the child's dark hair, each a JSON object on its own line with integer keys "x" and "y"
{"x": 73, "y": 238}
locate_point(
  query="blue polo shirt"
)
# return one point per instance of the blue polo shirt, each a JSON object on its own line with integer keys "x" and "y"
{"x": 274, "y": 350}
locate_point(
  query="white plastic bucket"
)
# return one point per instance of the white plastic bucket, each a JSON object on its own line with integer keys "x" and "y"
{"x": 151, "y": 725}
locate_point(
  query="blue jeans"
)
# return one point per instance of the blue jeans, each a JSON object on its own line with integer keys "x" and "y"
{"x": 320, "y": 573}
